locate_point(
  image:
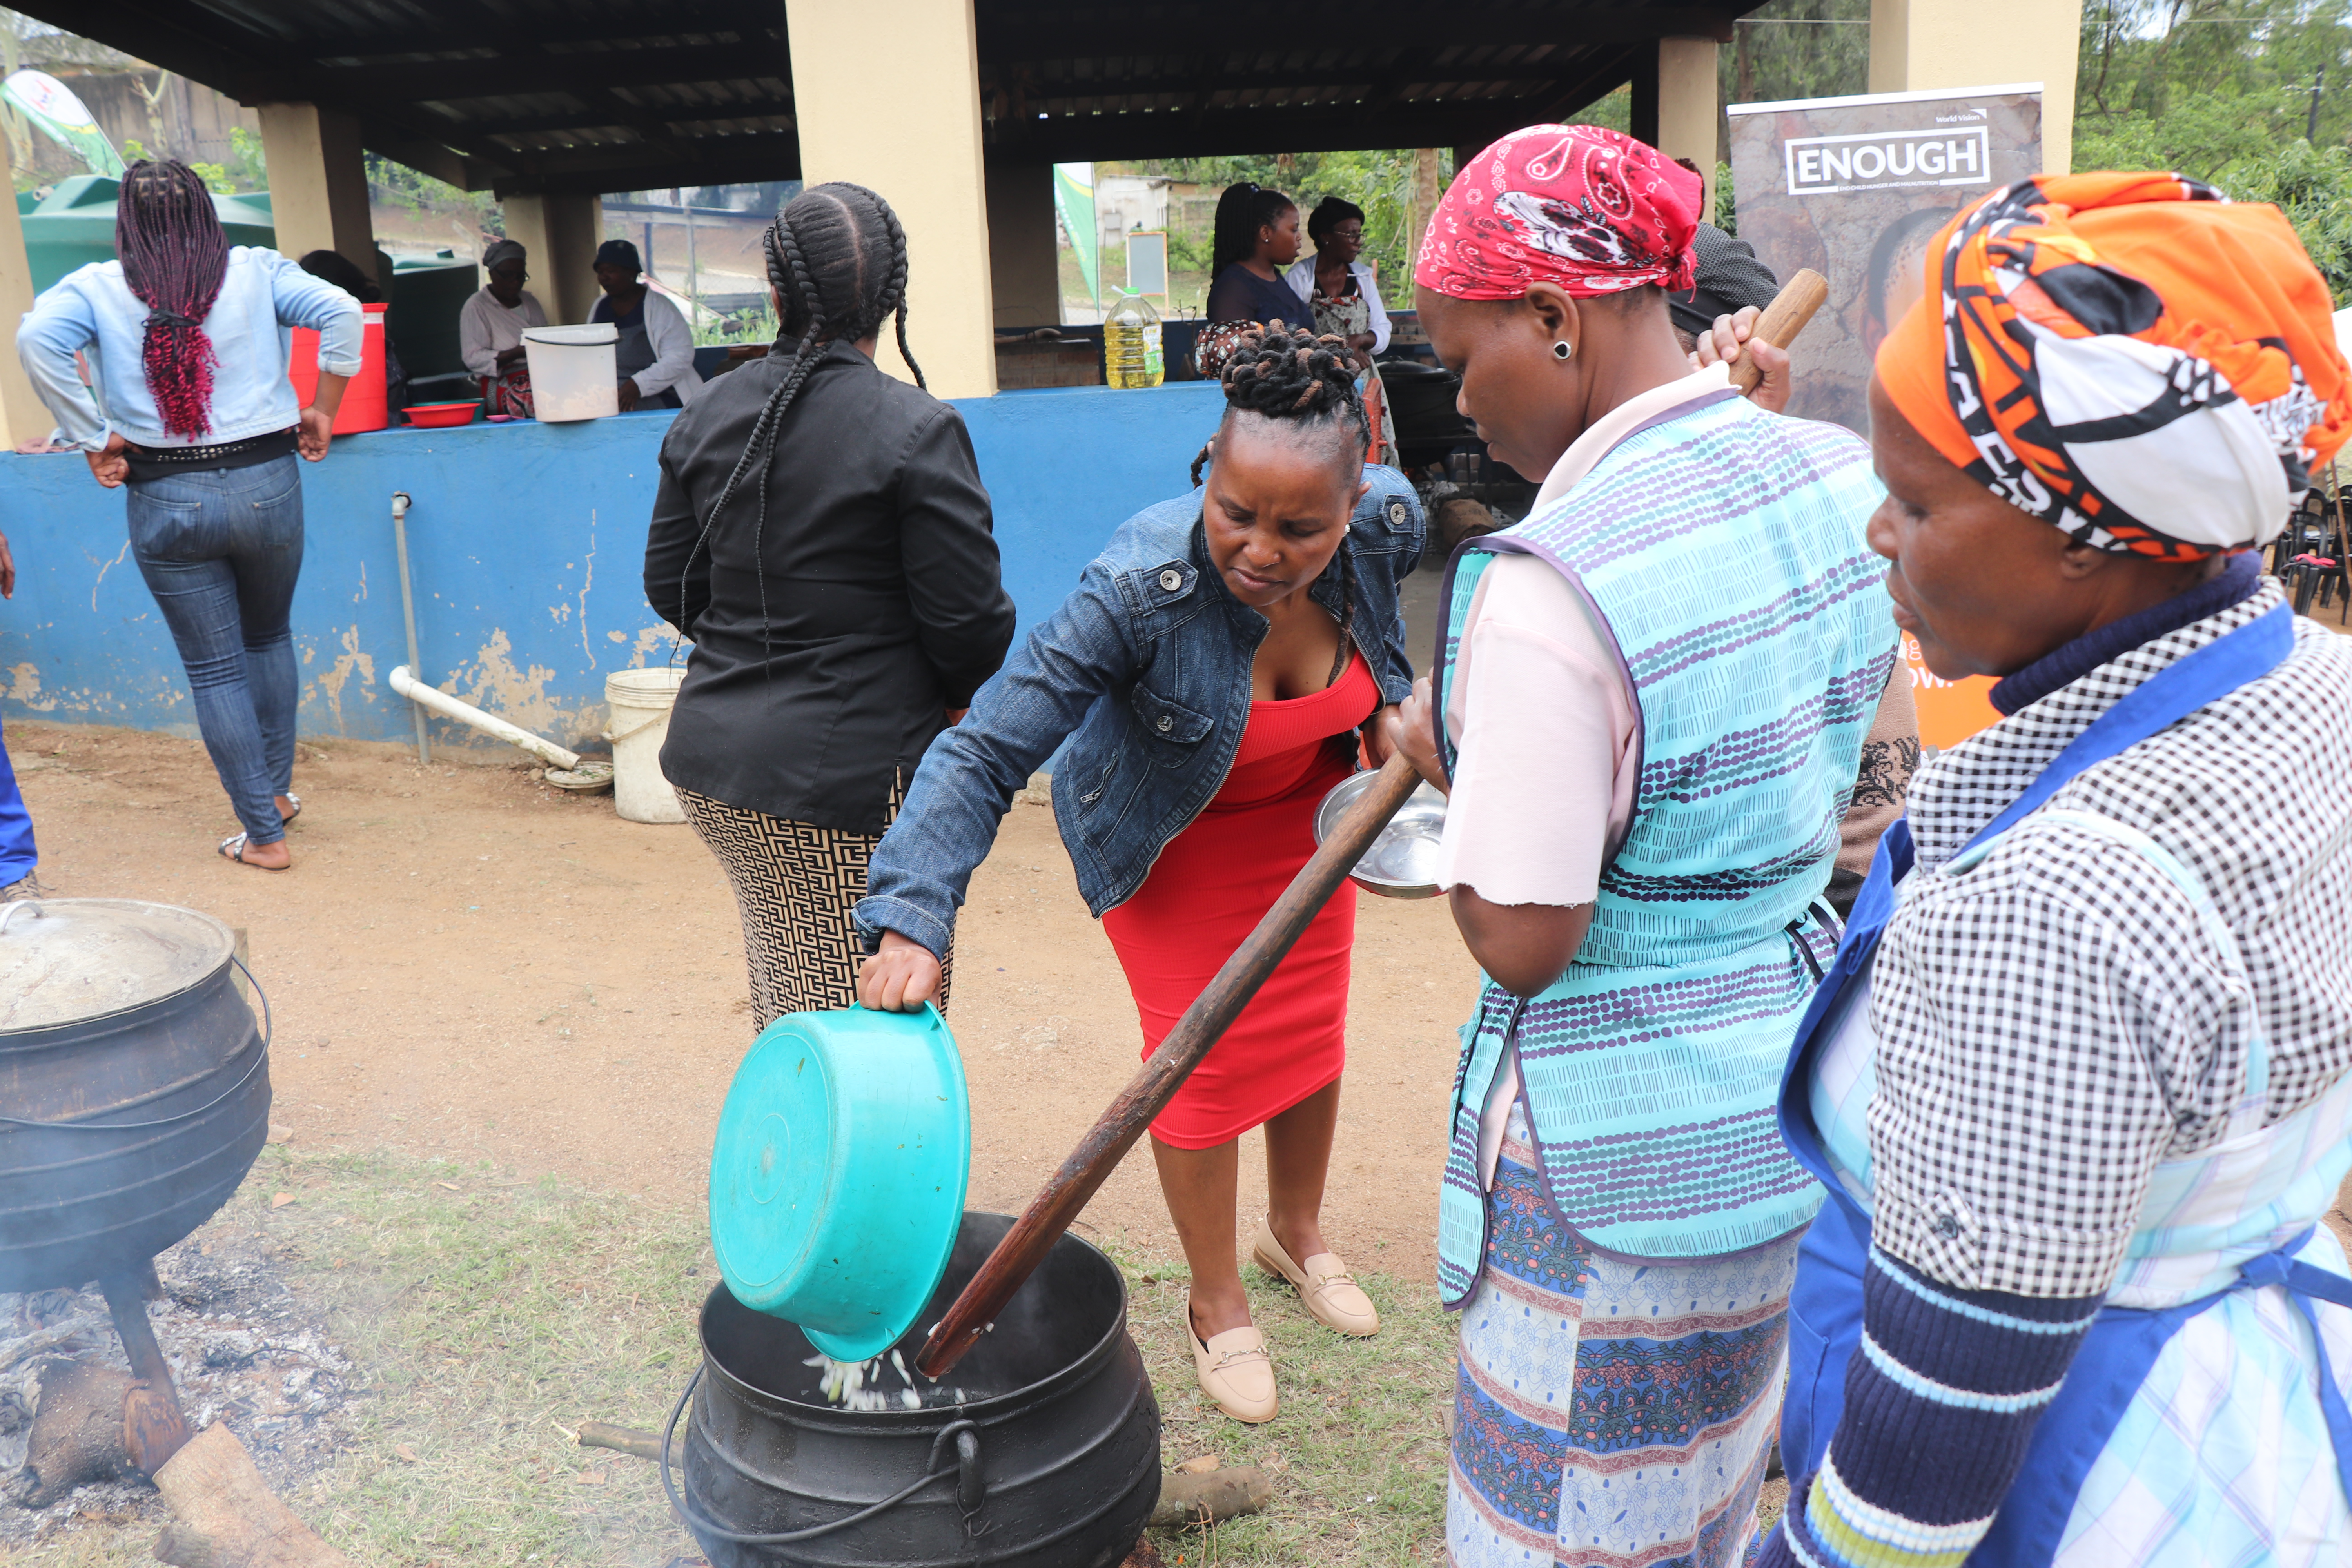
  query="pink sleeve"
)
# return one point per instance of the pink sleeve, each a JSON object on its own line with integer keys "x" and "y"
{"x": 1544, "y": 730}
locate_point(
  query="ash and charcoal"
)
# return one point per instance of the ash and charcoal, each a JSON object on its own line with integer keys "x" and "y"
{"x": 243, "y": 1351}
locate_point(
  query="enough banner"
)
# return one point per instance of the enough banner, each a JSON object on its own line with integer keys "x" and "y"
{"x": 1855, "y": 188}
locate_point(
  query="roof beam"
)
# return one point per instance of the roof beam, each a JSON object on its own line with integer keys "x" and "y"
{"x": 718, "y": 161}
{"x": 1010, "y": 34}
{"x": 1215, "y": 132}
{"x": 512, "y": 75}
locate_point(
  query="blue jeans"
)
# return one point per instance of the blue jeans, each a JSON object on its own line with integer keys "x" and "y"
{"x": 16, "y": 853}
{"x": 220, "y": 551}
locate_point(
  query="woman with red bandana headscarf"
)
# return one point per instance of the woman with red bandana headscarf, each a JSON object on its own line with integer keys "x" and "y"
{"x": 1649, "y": 707}
{"x": 2080, "y": 1087}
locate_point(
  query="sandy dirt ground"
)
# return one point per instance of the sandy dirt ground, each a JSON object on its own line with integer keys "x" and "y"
{"x": 466, "y": 963}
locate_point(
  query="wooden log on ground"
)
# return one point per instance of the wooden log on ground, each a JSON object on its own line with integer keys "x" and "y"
{"x": 1211, "y": 1498}
{"x": 226, "y": 1516}
{"x": 78, "y": 1433}
{"x": 631, "y": 1440}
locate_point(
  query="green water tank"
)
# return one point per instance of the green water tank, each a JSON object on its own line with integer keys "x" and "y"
{"x": 73, "y": 226}
{"x": 426, "y": 293}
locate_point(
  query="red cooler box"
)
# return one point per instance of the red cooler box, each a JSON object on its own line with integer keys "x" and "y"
{"x": 365, "y": 406}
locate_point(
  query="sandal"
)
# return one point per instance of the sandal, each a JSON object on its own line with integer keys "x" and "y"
{"x": 290, "y": 816}
{"x": 233, "y": 848}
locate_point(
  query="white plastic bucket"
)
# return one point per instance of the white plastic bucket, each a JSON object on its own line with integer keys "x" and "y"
{"x": 574, "y": 371}
{"x": 640, "y": 700}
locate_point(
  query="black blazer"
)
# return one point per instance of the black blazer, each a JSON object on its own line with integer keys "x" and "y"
{"x": 830, "y": 640}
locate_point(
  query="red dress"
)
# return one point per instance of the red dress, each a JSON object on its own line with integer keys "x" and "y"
{"x": 1213, "y": 884}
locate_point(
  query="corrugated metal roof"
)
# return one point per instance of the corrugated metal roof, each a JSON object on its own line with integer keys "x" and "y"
{"x": 624, "y": 94}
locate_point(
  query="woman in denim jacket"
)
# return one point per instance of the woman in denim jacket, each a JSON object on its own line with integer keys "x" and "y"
{"x": 1211, "y": 676}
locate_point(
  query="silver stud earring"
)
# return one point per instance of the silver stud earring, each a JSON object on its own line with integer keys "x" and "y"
{"x": 1562, "y": 350}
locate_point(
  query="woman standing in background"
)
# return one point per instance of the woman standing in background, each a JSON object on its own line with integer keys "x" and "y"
{"x": 490, "y": 327}
{"x": 202, "y": 423}
{"x": 1341, "y": 290}
{"x": 822, "y": 534}
{"x": 1256, "y": 236}
{"x": 1345, "y": 300}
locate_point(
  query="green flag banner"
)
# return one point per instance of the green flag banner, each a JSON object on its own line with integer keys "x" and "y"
{"x": 1073, "y": 198}
{"x": 57, "y": 114}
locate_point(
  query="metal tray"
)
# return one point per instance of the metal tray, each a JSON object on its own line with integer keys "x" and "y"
{"x": 1403, "y": 861}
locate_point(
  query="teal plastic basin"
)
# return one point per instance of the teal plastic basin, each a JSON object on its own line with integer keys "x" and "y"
{"x": 837, "y": 1173}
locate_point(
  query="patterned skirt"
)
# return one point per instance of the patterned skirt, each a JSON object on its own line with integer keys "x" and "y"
{"x": 1609, "y": 1413}
{"x": 795, "y": 885}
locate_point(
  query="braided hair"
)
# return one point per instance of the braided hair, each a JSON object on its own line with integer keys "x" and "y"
{"x": 174, "y": 256}
{"x": 1242, "y": 211}
{"x": 1305, "y": 383}
{"x": 838, "y": 259}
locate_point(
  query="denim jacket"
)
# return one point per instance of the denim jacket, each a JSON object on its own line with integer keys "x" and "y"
{"x": 1145, "y": 670}
{"x": 261, "y": 295}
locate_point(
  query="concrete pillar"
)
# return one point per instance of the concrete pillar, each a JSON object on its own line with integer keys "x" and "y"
{"x": 317, "y": 182}
{"x": 911, "y": 132}
{"x": 22, "y": 418}
{"x": 559, "y": 235}
{"x": 1688, "y": 114}
{"x": 1024, "y": 265}
{"x": 1919, "y": 45}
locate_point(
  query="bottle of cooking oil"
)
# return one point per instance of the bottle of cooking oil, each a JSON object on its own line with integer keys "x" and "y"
{"x": 1132, "y": 352}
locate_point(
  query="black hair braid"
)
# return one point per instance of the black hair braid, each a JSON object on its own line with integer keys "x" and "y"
{"x": 1302, "y": 381}
{"x": 836, "y": 255}
{"x": 897, "y": 289}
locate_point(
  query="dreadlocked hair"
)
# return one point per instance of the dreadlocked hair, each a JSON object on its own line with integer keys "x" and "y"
{"x": 838, "y": 259}
{"x": 1304, "y": 381}
{"x": 1301, "y": 378}
{"x": 174, "y": 255}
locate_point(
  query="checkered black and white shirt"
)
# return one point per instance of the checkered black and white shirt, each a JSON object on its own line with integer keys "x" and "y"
{"x": 2056, "y": 1021}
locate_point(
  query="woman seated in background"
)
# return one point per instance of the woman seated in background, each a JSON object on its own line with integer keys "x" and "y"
{"x": 1256, "y": 236}
{"x": 1206, "y": 684}
{"x": 490, "y": 326}
{"x": 1338, "y": 287}
{"x": 655, "y": 357}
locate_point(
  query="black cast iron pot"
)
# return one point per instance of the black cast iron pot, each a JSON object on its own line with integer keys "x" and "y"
{"x": 135, "y": 1088}
{"x": 1052, "y": 1460}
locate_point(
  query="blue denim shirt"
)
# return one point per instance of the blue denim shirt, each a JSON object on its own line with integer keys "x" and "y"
{"x": 261, "y": 295}
{"x": 1145, "y": 670}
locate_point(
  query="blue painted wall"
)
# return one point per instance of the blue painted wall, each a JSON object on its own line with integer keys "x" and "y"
{"x": 526, "y": 547}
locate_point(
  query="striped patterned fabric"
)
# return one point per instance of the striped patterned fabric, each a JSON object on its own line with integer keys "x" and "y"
{"x": 1609, "y": 1413}
{"x": 1941, "y": 1374}
{"x": 1723, "y": 549}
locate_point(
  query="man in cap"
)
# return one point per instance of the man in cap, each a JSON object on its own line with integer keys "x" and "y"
{"x": 490, "y": 328}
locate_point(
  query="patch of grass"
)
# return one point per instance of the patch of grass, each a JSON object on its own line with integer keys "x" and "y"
{"x": 1359, "y": 1449}
{"x": 486, "y": 1315}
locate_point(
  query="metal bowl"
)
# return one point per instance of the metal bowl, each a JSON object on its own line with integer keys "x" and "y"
{"x": 1403, "y": 861}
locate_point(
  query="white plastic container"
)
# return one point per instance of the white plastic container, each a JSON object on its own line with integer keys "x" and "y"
{"x": 574, "y": 374}
{"x": 640, "y": 700}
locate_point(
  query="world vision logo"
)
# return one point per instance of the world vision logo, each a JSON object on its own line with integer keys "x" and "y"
{"x": 1956, "y": 155}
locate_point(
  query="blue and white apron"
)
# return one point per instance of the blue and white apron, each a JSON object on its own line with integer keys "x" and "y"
{"x": 2258, "y": 1184}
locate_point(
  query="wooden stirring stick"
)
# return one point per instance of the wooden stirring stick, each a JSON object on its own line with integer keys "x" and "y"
{"x": 1147, "y": 1093}
{"x": 1782, "y": 320}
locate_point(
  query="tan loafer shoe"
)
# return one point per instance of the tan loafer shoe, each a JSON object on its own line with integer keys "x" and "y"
{"x": 1332, "y": 1296}
{"x": 1236, "y": 1372}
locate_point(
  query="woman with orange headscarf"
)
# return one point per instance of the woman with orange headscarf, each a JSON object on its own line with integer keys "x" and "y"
{"x": 2080, "y": 1080}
